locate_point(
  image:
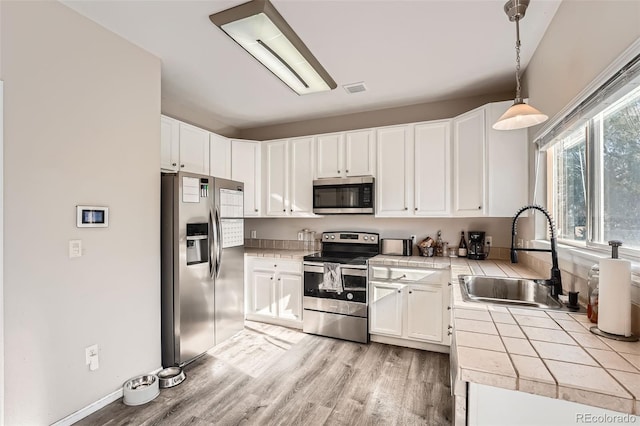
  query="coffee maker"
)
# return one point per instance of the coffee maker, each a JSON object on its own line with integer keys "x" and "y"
{"x": 476, "y": 246}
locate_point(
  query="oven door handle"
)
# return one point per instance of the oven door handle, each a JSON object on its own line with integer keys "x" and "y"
{"x": 350, "y": 272}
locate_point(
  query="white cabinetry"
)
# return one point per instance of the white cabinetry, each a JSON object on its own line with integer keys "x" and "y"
{"x": 169, "y": 144}
{"x": 490, "y": 166}
{"x": 414, "y": 174}
{"x": 246, "y": 167}
{"x": 507, "y": 165}
{"x": 468, "y": 163}
{"x": 194, "y": 149}
{"x": 274, "y": 291}
{"x": 346, "y": 154}
{"x": 289, "y": 177}
{"x": 219, "y": 156}
{"x": 408, "y": 306}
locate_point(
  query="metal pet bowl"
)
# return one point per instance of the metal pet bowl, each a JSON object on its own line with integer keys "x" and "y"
{"x": 171, "y": 376}
{"x": 141, "y": 390}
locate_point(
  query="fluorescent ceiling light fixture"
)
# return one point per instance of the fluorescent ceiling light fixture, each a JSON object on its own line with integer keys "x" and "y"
{"x": 262, "y": 31}
{"x": 519, "y": 115}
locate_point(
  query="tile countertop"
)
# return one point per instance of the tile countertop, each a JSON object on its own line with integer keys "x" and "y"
{"x": 277, "y": 253}
{"x": 546, "y": 353}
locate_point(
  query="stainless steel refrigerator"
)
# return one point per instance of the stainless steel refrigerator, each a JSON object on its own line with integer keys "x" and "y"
{"x": 202, "y": 261}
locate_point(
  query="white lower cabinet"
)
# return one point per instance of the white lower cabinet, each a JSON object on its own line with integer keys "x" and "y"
{"x": 274, "y": 291}
{"x": 412, "y": 308}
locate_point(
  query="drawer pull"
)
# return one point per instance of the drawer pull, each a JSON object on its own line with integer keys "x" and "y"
{"x": 448, "y": 333}
{"x": 448, "y": 308}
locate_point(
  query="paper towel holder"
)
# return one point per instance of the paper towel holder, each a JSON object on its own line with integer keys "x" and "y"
{"x": 595, "y": 330}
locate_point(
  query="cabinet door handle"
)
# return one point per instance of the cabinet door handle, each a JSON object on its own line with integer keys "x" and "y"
{"x": 449, "y": 284}
{"x": 416, "y": 209}
{"x": 347, "y": 171}
{"x": 174, "y": 164}
{"x": 406, "y": 208}
{"x": 284, "y": 210}
{"x": 278, "y": 279}
{"x": 410, "y": 292}
{"x": 275, "y": 266}
{"x": 255, "y": 210}
{"x": 479, "y": 207}
{"x": 338, "y": 171}
{"x": 449, "y": 327}
{"x": 181, "y": 165}
{"x": 271, "y": 278}
{"x": 448, "y": 308}
{"x": 448, "y": 333}
{"x": 399, "y": 291}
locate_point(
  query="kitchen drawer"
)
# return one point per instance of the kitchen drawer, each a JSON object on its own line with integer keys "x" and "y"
{"x": 408, "y": 275}
{"x": 276, "y": 264}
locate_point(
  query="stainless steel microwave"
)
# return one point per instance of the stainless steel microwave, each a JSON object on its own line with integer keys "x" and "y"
{"x": 344, "y": 195}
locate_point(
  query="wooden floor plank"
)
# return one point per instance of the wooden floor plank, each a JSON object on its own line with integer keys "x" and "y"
{"x": 270, "y": 375}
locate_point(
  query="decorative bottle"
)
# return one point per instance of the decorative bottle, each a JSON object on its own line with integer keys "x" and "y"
{"x": 593, "y": 280}
{"x": 439, "y": 245}
{"x": 462, "y": 247}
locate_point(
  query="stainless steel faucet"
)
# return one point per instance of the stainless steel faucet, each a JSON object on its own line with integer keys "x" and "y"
{"x": 555, "y": 282}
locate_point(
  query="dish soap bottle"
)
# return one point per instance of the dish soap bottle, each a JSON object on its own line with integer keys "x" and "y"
{"x": 462, "y": 247}
{"x": 593, "y": 279}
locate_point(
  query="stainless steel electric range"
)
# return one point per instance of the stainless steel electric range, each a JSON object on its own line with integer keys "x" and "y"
{"x": 339, "y": 308}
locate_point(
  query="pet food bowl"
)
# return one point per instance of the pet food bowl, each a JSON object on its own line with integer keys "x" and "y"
{"x": 171, "y": 376}
{"x": 141, "y": 390}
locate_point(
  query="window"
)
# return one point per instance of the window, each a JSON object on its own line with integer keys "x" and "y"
{"x": 594, "y": 177}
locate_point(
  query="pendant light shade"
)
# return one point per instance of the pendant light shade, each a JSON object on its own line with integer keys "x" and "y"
{"x": 519, "y": 115}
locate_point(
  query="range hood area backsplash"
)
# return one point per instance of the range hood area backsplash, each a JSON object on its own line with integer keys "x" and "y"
{"x": 287, "y": 228}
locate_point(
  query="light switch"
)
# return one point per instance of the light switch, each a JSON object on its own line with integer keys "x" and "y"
{"x": 75, "y": 248}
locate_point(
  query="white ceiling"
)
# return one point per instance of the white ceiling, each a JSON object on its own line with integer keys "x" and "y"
{"x": 406, "y": 52}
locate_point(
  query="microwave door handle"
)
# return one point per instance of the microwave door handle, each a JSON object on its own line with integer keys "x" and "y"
{"x": 212, "y": 267}
{"x": 218, "y": 242}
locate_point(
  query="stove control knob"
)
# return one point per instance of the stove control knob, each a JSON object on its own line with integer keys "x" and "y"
{"x": 350, "y": 296}
{"x": 333, "y": 237}
{"x": 326, "y": 237}
{"x": 373, "y": 238}
{"x": 366, "y": 238}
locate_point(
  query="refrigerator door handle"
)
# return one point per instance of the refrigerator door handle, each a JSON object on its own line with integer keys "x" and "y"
{"x": 212, "y": 267}
{"x": 218, "y": 242}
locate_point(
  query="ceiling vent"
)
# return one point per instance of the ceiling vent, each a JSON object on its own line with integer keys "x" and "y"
{"x": 355, "y": 87}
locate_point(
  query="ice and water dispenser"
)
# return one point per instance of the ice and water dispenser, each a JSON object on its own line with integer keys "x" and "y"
{"x": 197, "y": 243}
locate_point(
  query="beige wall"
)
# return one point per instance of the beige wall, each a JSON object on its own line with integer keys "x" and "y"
{"x": 82, "y": 108}
{"x": 382, "y": 117}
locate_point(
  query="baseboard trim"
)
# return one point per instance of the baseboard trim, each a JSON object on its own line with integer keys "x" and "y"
{"x": 433, "y": 347}
{"x": 93, "y": 407}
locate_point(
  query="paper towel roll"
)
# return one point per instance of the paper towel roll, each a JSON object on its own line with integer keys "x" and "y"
{"x": 614, "y": 302}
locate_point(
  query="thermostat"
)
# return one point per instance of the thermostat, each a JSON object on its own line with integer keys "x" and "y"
{"x": 92, "y": 217}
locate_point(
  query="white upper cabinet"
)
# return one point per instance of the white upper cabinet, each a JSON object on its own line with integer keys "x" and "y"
{"x": 346, "y": 154}
{"x": 219, "y": 156}
{"x": 507, "y": 165}
{"x": 360, "y": 153}
{"x": 277, "y": 177}
{"x": 432, "y": 169}
{"x": 329, "y": 155}
{"x": 289, "y": 168}
{"x": 469, "y": 163}
{"x": 393, "y": 180}
{"x": 194, "y": 149}
{"x": 169, "y": 144}
{"x": 414, "y": 172}
{"x": 491, "y": 169}
{"x": 246, "y": 167}
{"x": 302, "y": 167}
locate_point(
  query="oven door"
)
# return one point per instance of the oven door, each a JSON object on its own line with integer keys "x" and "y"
{"x": 343, "y": 196}
{"x": 354, "y": 280}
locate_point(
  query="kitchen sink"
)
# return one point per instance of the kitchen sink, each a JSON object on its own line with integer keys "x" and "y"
{"x": 508, "y": 291}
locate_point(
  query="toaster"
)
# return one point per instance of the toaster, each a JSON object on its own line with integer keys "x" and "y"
{"x": 397, "y": 246}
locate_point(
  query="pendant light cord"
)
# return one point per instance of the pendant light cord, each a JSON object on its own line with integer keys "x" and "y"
{"x": 518, "y": 97}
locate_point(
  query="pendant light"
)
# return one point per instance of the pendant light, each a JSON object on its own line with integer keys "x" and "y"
{"x": 519, "y": 115}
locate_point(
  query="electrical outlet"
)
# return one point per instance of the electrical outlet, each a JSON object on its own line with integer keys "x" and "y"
{"x": 254, "y": 234}
{"x": 91, "y": 357}
{"x": 75, "y": 248}
{"x": 488, "y": 241}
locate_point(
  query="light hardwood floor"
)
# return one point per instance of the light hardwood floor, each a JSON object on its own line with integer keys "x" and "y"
{"x": 269, "y": 375}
